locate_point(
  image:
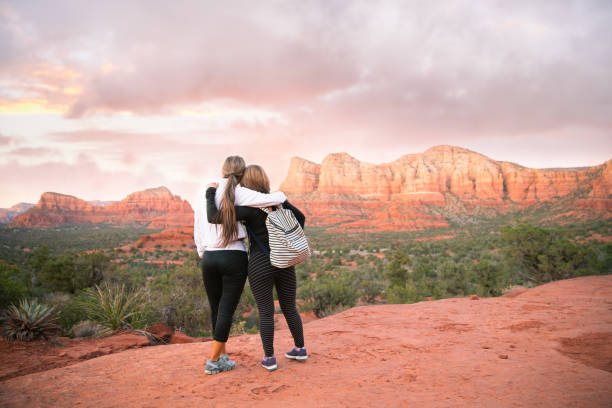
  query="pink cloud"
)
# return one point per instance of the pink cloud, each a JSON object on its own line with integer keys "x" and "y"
{"x": 524, "y": 82}
{"x": 83, "y": 179}
{"x": 31, "y": 151}
{"x": 4, "y": 140}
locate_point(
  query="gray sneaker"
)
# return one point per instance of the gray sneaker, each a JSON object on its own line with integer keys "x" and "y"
{"x": 222, "y": 364}
{"x": 226, "y": 358}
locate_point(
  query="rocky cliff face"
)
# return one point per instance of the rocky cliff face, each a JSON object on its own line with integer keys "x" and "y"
{"x": 414, "y": 192}
{"x": 157, "y": 208}
{"x": 346, "y": 194}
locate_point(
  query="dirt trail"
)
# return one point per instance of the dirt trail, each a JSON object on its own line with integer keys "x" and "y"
{"x": 550, "y": 346}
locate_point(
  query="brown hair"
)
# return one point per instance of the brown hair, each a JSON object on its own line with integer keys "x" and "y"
{"x": 256, "y": 179}
{"x": 233, "y": 169}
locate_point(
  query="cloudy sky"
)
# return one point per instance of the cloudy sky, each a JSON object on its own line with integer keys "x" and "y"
{"x": 100, "y": 99}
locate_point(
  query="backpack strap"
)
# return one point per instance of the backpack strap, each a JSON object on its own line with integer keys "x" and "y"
{"x": 258, "y": 242}
{"x": 267, "y": 211}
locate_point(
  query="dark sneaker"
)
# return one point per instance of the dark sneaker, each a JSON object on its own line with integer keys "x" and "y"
{"x": 269, "y": 363}
{"x": 216, "y": 367}
{"x": 297, "y": 354}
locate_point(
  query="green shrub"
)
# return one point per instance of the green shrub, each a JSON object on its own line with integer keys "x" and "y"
{"x": 88, "y": 328}
{"x": 68, "y": 272}
{"x": 402, "y": 293}
{"x": 29, "y": 320}
{"x": 177, "y": 298}
{"x": 12, "y": 285}
{"x": 542, "y": 255}
{"x": 489, "y": 279}
{"x": 396, "y": 271}
{"x": 114, "y": 306}
{"x": 327, "y": 293}
{"x": 71, "y": 312}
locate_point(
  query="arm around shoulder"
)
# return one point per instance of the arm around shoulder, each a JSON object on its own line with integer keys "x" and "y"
{"x": 252, "y": 198}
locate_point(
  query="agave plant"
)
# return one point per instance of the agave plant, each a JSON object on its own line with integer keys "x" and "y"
{"x": 113, "y": 306}
{"x": 28, "y": 321}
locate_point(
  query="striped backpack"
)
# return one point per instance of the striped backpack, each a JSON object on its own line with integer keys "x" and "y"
{"x": 288, "y": 244}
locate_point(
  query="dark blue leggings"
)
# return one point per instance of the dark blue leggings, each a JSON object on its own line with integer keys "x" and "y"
{"x": 224, "y": 273}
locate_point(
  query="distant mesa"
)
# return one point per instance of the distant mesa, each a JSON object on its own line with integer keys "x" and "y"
{"x": 155, "y": 208}
{"x": 445, "y": 183}
{"x": 433, "y": 189}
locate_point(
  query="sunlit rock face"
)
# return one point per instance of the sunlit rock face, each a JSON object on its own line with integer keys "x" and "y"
{"x": 346, "y": 194}
{"x": 156, "y": 207}
{"x": 414, "y": 192}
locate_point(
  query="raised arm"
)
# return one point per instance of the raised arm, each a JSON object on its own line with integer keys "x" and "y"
{"x": 245, "y": 196}
{"x": 242, "y": 212}
{"x": 301, "y": 218}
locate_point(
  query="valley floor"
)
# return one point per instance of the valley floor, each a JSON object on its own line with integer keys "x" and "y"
{"x": 550, "y": 346}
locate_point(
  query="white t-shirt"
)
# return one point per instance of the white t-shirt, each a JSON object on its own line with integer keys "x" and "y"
{"x": 207, "y": 236}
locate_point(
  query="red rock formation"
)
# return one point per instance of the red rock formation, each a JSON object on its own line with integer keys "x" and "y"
{"x": 414, "y": 192}
{"x": 303, "y": 176}
{"x": 171, "y": 239}
{"x": 156, "y": 208}
{"x": 550, "y": 346}
{"x": 58, "y": 209}
{"x": 347, "y": 194}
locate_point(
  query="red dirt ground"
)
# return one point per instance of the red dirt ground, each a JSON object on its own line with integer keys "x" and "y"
{"x": 20, "y": 358}
{"x": 546, "y": 347}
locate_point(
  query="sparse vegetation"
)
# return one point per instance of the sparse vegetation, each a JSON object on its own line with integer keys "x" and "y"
{"x": 345, "y": 270}
{"x": 114, "y": 306}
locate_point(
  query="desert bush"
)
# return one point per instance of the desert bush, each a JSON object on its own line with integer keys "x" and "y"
{"x": 68, "y": 272}
{"x": 456, "y": 278}
{"x": 29, "y": 320}
{"x": 88, "y": 328}
{"x": 12, "y": 284}
{"x": 406, "y": 293}
{"x": 114, "y": 306}
{"x": 542, "y": 255}
{"x": 177, "y": 298}
{"x": 327, "y": 293}
{"x": 132, "y": 277}
{"x": 371, "y": 289}
{"x": 489, "y": 278}
{"x": 71, "y": 312}
{"x": 396, "y": 271}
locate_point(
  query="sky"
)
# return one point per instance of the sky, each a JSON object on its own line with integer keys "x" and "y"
{"x": 101, "y": 99}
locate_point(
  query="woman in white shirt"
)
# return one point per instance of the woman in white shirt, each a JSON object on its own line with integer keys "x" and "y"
{"x": 224, "y": 257}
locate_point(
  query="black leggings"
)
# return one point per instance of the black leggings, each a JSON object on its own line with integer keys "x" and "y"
{"x": 224, "y": 273}
{"x": 262, "y": 276}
